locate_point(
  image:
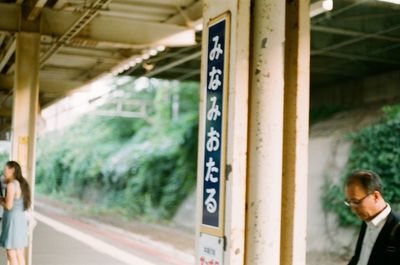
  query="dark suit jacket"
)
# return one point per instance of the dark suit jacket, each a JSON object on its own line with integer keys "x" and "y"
{"x": 386, "y": 250}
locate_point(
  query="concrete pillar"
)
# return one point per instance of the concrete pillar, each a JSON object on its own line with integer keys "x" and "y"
{"x": 265, "y": 133}
{"x": 295, "y": 141}
{"x": 236, "y": 153}
{"x": 25, "y": 108}
{"x": 275, "y": 132}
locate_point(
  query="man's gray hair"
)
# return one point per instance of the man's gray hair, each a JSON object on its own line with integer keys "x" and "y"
{"x": 368, "y": 179}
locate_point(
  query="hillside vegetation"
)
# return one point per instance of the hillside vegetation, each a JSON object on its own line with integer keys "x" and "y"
{"x": 143, "y": 167}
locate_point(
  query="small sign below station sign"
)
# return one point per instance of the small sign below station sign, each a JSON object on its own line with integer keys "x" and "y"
{"x": 211, "y": 250}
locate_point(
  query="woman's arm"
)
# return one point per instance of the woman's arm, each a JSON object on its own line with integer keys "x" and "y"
{"x": 8, "y": 201}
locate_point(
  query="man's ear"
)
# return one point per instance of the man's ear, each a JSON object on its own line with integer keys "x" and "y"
{"x": 377, "y": 195}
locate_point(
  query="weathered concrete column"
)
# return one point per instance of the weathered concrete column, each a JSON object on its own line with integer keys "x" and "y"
{"x": 295, "y": 141}
{"x": 265, "y": 133}
{"x": 25, "y": 108}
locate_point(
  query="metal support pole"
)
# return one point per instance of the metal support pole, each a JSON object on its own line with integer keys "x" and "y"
{"x": 295, "y": 139}
{"x": 265, "y": 133}
{"x": 25, "y": 109}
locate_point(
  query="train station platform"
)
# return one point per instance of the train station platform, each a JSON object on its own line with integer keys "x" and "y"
{"x": 52, "y": 247}
{"x": 63, "y": 240}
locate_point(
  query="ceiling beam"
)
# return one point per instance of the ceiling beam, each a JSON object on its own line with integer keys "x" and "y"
{"x": 57, "y": 68}
{"x": 59, "y": 86}
{"x": 45, "y": 85}
{"x": 2, "y": 38}
{"x": 11, "y": 69}
{"x": 66, "y": 55}
{"x": 36, "y": 10}
{"x": 354, "y": 40}
{"x": 355, "y": 57}
{"x": 187, "y": 16}
{"x": 10, "y": 14}
{"x": 74, "y": 29}
{"x": 173, "y": 64}
{"x": 385, "y": 49}
{"x": 144, "y": 8}
{"x": 337, "y": 12}
{"x": 103, "y": 29}
{"x": 10, "y": 51}
{"x": 131, "y": 15}
{"x": 6, "y": 82}
{"x": 5, "y": 112}
{"x": 189, "y": 75}
{"x": 327, "y": 71}
{"x": 346, "y": 32}
{"x": 175, "y": 54}
{"x": 92, "y": 52}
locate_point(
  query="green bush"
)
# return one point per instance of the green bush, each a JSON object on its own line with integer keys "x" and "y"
{"x": 4, "y": 157}
{"x": 377, "y": 148}
{"x": 145, "y": 169}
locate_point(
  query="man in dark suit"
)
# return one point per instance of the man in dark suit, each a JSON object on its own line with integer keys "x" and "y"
{"x": 379, "y": 239}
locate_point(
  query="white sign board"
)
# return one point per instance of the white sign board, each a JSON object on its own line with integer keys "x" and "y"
{"x": 211, "y": 250}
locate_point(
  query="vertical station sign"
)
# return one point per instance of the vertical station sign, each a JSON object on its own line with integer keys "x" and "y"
{"x": 216, "y": 95}
{"x": 211, "y": 241}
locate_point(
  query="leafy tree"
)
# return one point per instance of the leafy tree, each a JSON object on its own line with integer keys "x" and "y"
{"x": 4, "y": 157}
{"x": 144, "y": 168}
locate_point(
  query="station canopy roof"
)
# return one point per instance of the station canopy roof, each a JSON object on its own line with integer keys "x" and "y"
{"x": 357, "y": 38}
{"x": 81, "y": 40}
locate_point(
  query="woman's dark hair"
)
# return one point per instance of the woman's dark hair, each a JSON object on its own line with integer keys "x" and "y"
{"x": 25, "y": 189}
{"x": 368, "y": 179}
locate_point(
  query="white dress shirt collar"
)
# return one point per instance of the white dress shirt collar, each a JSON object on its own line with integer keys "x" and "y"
{"x": 381, "y": 217}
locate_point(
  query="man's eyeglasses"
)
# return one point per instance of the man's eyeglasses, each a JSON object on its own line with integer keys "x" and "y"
{"x": 355, "y": 203}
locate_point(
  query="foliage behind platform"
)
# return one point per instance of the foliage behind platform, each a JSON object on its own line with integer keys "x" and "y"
{"x": 377, "y": 148}
{"x": 145, "y": 169}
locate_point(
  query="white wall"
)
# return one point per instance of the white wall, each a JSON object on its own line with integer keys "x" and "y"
{"x": 328, "y": 156}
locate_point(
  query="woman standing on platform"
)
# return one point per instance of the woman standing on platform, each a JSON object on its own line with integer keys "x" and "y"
{"x": 14, "y": 234}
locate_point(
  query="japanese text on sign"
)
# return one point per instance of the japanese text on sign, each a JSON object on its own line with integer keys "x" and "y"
{"x": 216, "y": 87}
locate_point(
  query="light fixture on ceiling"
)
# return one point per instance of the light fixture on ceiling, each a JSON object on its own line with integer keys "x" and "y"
{"x": 153, "y": 52}
{"x": 138, "y": 59}
{"x": 132, "y": 63}
{"x": 148, "y": 67}
{"x": 160, "y": 48}
{"x": 397, "y": 2}
{"x": 320, "y": 7}
{"x": 145, "y": 56}
{"x": 197, "y": 25}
